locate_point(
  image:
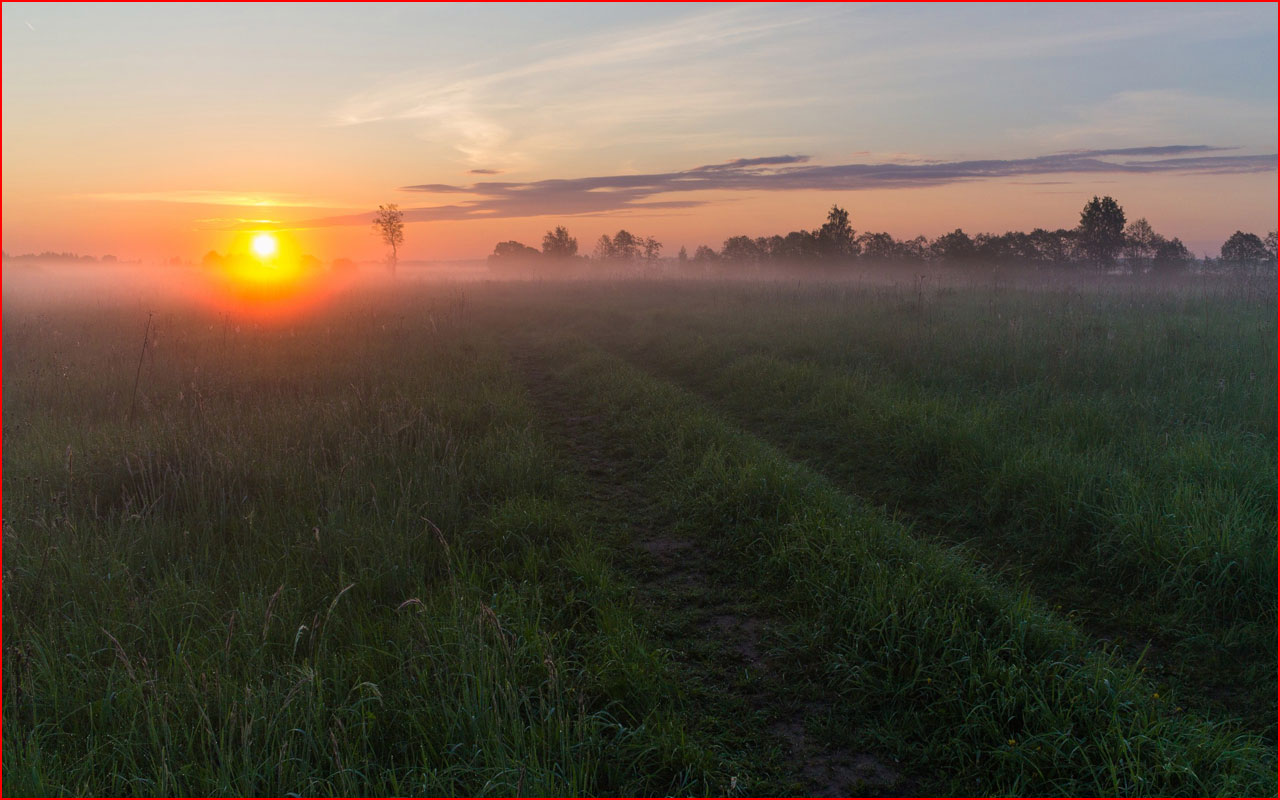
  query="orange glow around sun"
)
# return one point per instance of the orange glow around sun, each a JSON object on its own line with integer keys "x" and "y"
{"x": 266, "y": 274}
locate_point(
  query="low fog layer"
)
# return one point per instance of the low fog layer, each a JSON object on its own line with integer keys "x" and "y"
{"x": 1104, "y": 247}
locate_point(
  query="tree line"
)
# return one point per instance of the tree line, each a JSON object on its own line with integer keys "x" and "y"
{"x": 1102, "y": 241}
{"x": 50, "y": 256}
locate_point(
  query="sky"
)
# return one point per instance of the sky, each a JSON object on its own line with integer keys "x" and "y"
{"x": 153, "y": 131}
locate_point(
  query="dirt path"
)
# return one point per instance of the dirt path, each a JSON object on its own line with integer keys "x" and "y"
{"x": 1202, "y": 683}
{"x": 716, "y": 633}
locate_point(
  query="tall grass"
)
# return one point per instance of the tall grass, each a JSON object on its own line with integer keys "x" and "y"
{"x": 1183, "y": 518}
{"x": 329, "y": 559}
{"x": 342, "y": 555}
{"x": 1121, "y": 447}
{"x": 913, "y": 637}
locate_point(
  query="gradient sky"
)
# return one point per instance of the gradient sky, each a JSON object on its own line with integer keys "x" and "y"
{"x": 150, "y": 131}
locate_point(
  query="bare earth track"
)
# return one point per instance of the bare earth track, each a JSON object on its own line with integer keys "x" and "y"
{"x": 713, "y": 633}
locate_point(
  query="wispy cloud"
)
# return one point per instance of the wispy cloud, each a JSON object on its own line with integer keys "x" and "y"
{"x": 213, "y": 197}
{"x": 733, "y": 71}
{"x": 236, "y": 224}
{"x": 429, "y": 96}
{"x": 609, "y": 194}
{"x": 566, "y": 92}
{"x": 1164, "y": 150}
{"x": 1130, "y": 116}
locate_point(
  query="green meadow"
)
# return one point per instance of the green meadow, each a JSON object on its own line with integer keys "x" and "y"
{"x": 645, "y": 537}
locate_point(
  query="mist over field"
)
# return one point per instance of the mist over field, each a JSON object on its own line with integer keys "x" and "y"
{"x": 639, "y": 400}
{"x": 664, "y": 533}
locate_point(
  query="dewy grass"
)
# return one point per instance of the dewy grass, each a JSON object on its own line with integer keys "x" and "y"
{"x": 915, "y": 639}
{"x": 337, "y": 570}
{"x": 1183, "y": 520}
{"x": 1145, "y": 492}
{"x": 340, "y": 555}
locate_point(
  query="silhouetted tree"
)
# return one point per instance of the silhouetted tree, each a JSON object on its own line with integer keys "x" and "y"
{"x": 626, "y": 246}
{"x": 1171, "y": 255}
{"x": 1140, "y": 244}
{"x": 837, "y": 239}
{"x": 705, "y": 255}
{"x": 1244, "y": 252}
{"x": 797, "y": 247}
{"x": 773, "y": 247}
{"x": 878, "y": 247}
{"x": 914, "y": 251}
{"x": 1053, "y": 248}
{"x": 559, "y": 244}
{"x": 604, "y": 248}
{"x": 652, "y": 249}
{"x": 513, "y": 253}
{"x": 682, "y": 256}
{"x": 953, "y": 248}
{"x": 1025, "y": 248}
{"x": 999, "y": 249}
{"x": 388, "y": 221}
{"x": 1269, "y": 243}
{"x": 741, "y": 250}
{"x": 1101, "y": 231}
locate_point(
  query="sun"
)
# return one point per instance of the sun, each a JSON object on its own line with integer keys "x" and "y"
{"x": 264, "y": 245}
{"x": 265, "y": 271}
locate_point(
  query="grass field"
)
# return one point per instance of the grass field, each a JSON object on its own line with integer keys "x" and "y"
{"x": 646, "y": 538}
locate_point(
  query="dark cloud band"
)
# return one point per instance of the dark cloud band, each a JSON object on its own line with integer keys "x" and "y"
{"x": 619, "y": 193}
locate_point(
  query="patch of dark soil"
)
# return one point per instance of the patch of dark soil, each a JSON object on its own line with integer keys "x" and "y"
{"x": 664, "y": 548}
{"x": 741, "y": 634}
{"x": 678, "y": 579}
{"x": 837, "y": 771}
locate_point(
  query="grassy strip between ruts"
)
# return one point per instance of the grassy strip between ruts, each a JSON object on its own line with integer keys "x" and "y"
{"x": 930, "y": 658}
{"x": 1183, "y": 518}
{"x": 1185, "y": 537}
{"x": 248, "y": 594}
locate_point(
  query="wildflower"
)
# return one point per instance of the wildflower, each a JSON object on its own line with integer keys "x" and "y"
{"x": 1012, "y": 742}
{"x": 1155, "y": 696}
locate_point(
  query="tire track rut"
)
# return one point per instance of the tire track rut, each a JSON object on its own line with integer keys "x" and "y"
{"x": 711, "y": 632}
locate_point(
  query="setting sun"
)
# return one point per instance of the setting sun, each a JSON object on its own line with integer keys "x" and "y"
{"x": 264, "y": 245}
{"x": 264, "y": 272}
